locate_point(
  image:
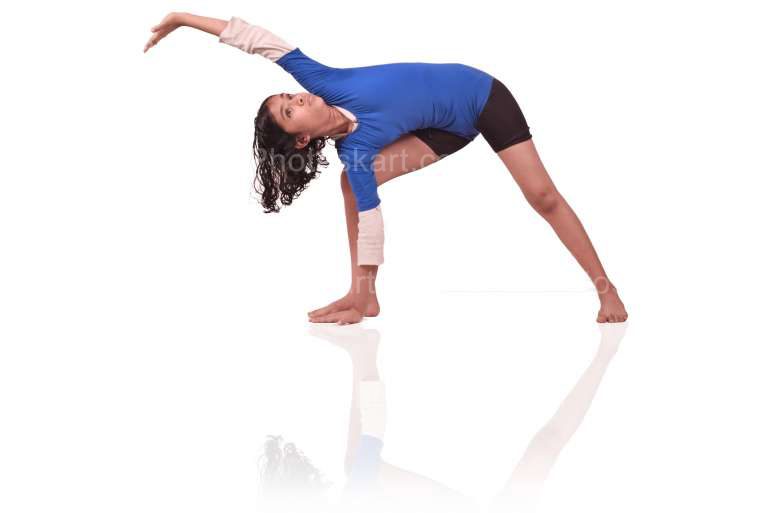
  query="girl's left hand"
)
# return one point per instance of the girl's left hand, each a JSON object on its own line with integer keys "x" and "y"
{"x": 167, "y": 25}
{"x": 349, "y": 316}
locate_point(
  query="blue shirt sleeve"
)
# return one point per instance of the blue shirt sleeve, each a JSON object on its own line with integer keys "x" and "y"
{"x": 311, "y": 74}
{"x": 360, "y": 171}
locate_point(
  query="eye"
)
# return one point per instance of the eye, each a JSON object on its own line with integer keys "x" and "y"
{"x": 288, "y": 112}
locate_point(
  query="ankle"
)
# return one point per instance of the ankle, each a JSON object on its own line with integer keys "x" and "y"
{"x": 604, "y": 286}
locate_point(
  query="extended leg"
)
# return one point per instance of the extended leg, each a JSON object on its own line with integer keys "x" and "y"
{"x": 525, "y": 166}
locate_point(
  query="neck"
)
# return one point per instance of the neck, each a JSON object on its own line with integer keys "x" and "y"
{"x": 337, "y": 124}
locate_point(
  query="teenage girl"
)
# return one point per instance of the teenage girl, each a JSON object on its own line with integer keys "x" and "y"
{"x": 387, "y": 120}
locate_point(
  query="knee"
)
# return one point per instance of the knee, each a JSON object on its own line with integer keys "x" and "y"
{"x": 544, "y": 200}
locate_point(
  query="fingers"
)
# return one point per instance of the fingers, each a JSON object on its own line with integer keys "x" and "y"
{"x": 329, "y": 317}
{"x": 158, "y": 32}
{"x": 322, "y": 311}
{"x": 331, "y": 307}
{"x": 167, "y": 25}
{"x": 341, "y": 317}
{"x": 151, "y": 42}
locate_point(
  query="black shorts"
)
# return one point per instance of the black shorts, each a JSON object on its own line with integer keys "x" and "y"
{"x": 501, "y": 123}
{"x": 442, "y": 143}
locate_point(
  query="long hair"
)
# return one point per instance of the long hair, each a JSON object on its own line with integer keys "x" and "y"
{"x": 283, "y": 171}
{"x": 285, "y": 472}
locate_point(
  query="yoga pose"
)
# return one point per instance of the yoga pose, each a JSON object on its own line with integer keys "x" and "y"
{"x": 387, "y": 120}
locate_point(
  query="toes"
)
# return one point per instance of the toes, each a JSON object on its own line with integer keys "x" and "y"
{"x": 612, "y": 317}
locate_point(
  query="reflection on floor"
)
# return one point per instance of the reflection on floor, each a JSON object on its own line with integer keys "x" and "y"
{"x": 289, "y": 481}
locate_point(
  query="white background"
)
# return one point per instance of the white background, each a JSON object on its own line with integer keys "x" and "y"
{"x": 152, "y": 318}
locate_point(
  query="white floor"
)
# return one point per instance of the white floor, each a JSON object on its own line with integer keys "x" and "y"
{"x": 666, "y": 422}
{"x": 124, "y": 419}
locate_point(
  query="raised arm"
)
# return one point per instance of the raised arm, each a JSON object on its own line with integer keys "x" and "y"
{"x": 236, "y": 32}
{"x": 254, "y": 39}
{"x": 174, "y": 20}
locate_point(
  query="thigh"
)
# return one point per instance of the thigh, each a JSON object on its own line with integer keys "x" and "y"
{"x": 526, "y": 168}
{"x": 442, "y": 142}
{"x": 415, "y": 150}
{"x": 404, "y": 155}
{"x": 502, "y": 122}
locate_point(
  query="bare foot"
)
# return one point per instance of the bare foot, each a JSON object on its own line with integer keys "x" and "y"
{"x": 612, "y": 308}
{"x": 344, "y": 303}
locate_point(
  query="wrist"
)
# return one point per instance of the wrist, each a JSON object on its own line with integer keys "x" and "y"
{"x": 180, "y": 18}
{"x": 359, "y": 301}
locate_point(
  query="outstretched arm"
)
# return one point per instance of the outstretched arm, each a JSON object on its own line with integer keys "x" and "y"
{"x": 236, "y": 32}
{"x": 174, "y": 20}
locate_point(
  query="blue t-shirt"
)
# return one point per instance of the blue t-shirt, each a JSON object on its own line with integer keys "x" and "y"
{"x": 388, "y": 101}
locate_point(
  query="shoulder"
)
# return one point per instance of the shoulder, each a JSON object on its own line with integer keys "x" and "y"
{"x": 297, "y": 60}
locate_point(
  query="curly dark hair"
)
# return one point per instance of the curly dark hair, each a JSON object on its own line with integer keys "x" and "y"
{"x": 285, "y": 472}
{"x": 283, "y": 171}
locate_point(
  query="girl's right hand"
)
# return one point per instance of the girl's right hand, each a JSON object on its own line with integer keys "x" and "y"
{"x": 167, "y": 25}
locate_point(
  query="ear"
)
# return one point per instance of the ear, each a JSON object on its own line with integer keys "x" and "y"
{"x": 302, "y": 141}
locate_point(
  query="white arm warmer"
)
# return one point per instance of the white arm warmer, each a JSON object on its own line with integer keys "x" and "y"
{"x": 371, "y": 237}
{"x": 371, "y": 397}
{"x": 254, "y": 39}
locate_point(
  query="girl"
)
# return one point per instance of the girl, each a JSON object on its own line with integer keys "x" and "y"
{"x": 387, "y": 120}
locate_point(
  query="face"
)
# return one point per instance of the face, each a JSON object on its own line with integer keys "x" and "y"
{"x": 301, "y": 114}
